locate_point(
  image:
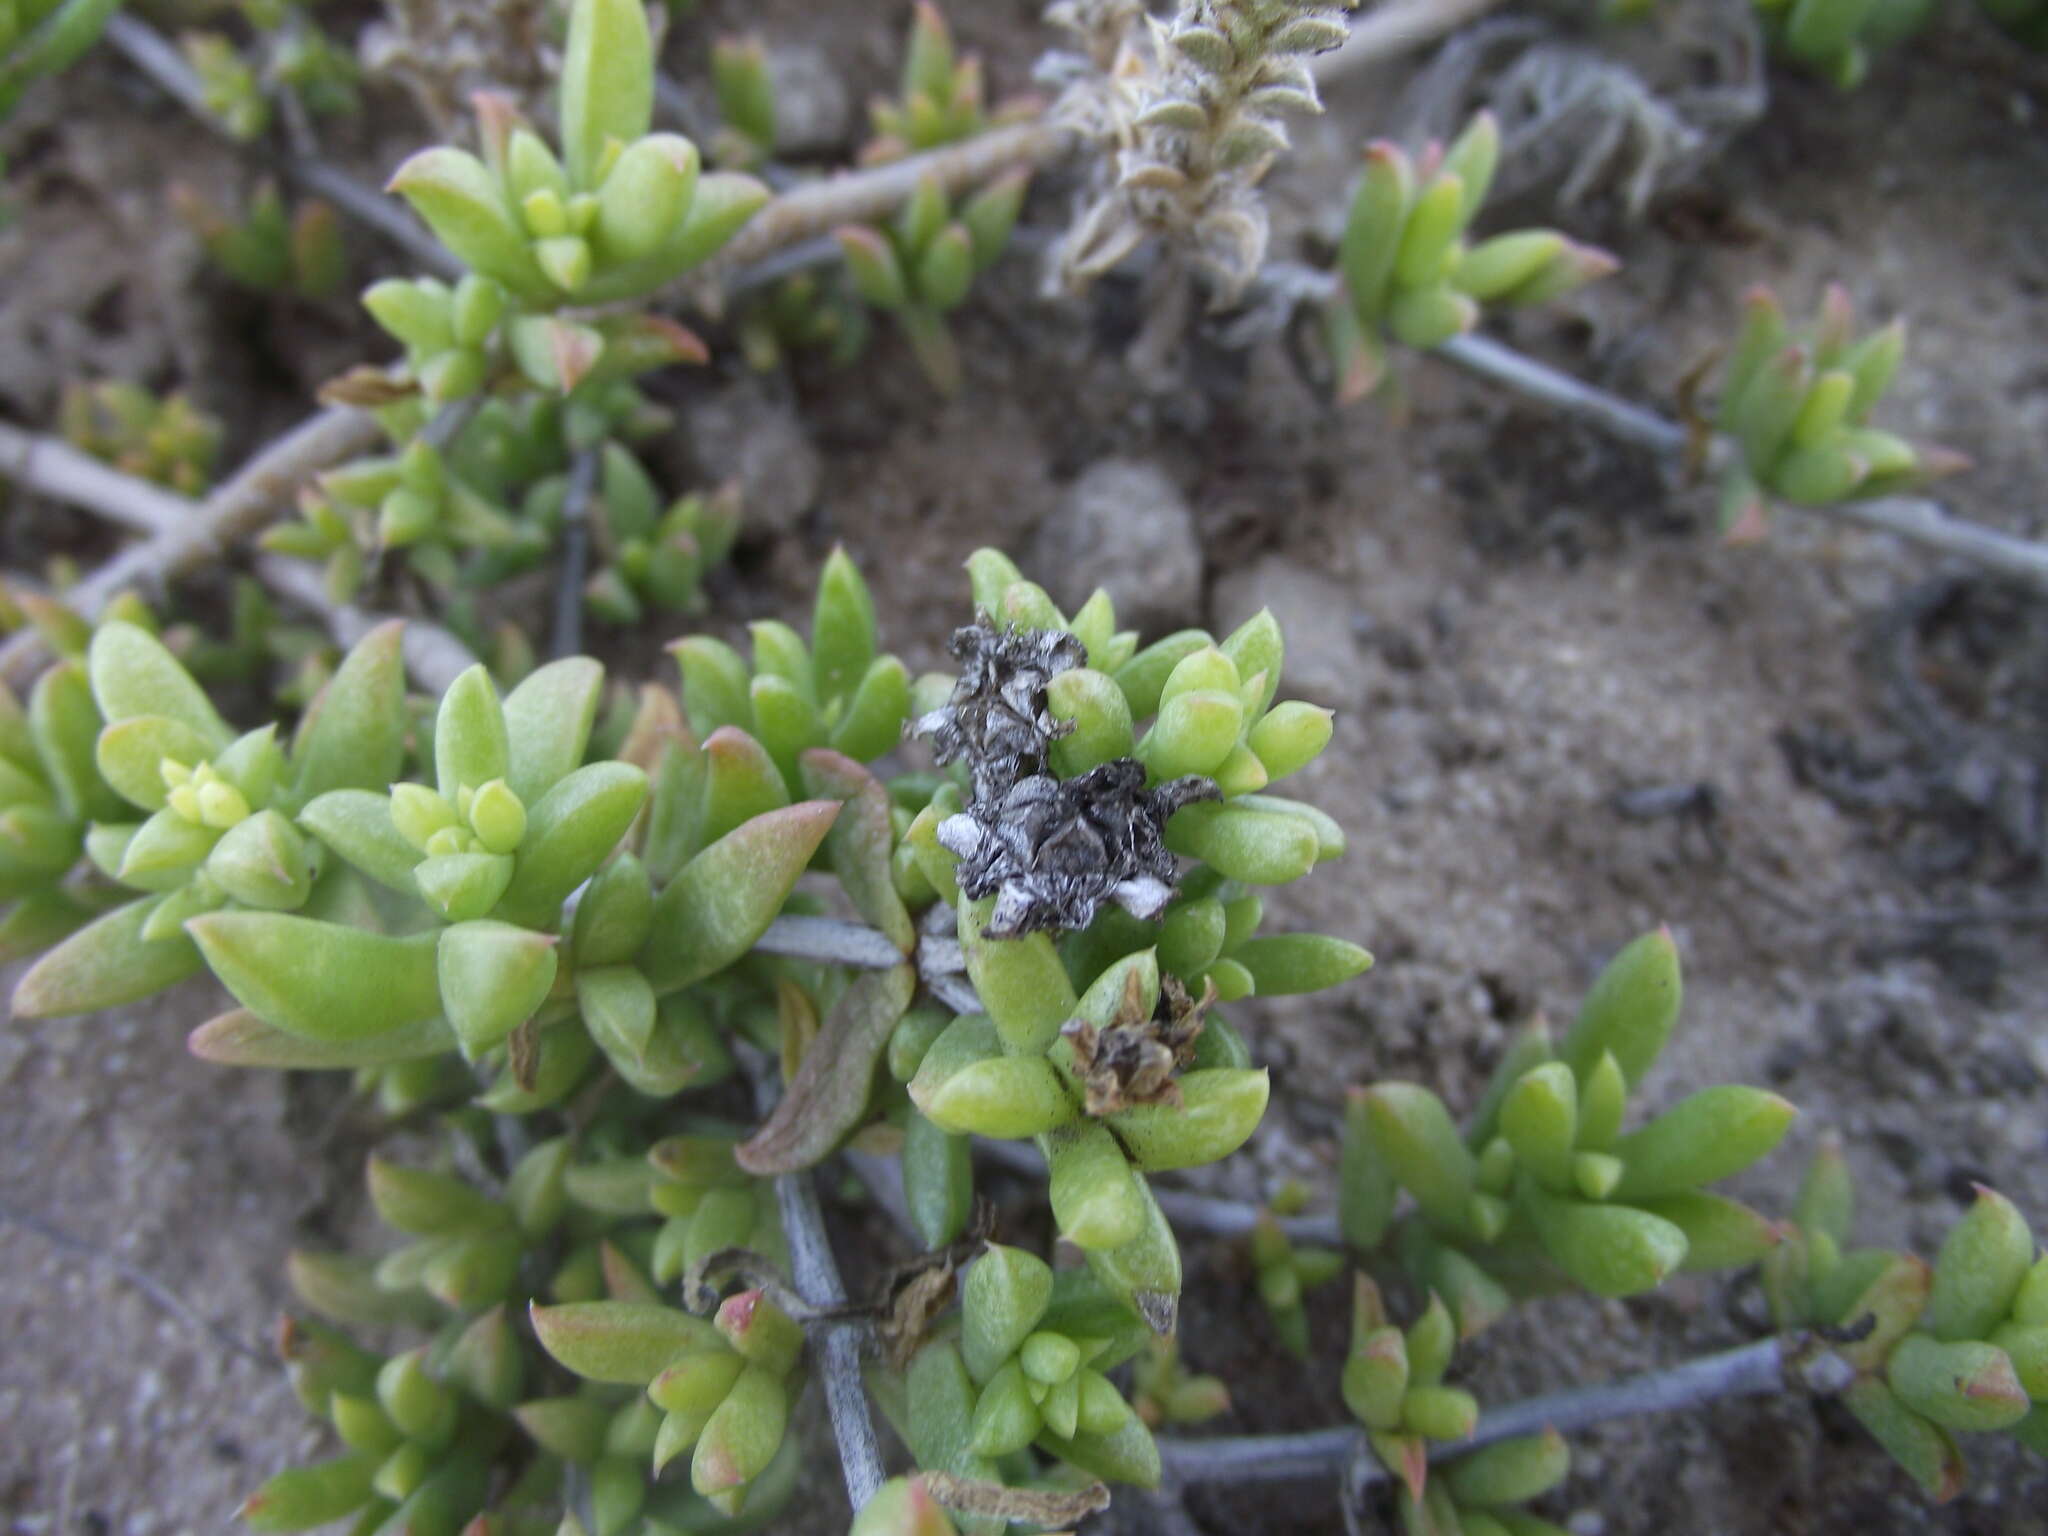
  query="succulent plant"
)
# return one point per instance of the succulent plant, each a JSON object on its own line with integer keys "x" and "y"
{"x": 922, "y": 265}
{"x": 941, "y": 99}
{"x": 592, "y": 943}
{"x": 620, "y": 212}
{"x": 1283, "y": 1273}
{"x": 44, "y": 37}
{"x": 746, "y": 102}
{"x": 1409, "y": 273}
{"x": 1798, "y": 406}
{"x": 167, "y": 440}
{"x": 1836, "y": 38}
{"x": 1957, "y": 1346}
{"x": 1543, "y": 1183}
{"x": 266, "y": 248}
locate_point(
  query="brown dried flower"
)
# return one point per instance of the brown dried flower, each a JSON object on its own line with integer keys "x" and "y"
{"x": 1134, "y": 1059}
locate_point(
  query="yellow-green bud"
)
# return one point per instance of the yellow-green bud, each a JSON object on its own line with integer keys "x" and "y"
{"x": 221, "y": 805}
{"x": 418, "y": 814}
{"x": 498, "y": 817}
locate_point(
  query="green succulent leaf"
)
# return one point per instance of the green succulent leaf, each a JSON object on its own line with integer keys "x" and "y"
{"x": 629, "y": 1343}
{"x": 322, "y": 981}
{"x": 103, "y": 965}
{"x": 829, "y": 1094}
{"x": 726, "y": 896}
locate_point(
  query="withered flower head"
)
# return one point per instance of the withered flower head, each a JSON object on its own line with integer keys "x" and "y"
{"x": 997, "y": 718}
{"x": 1052, "y": 851}
{"x": 1133, "y": 1060}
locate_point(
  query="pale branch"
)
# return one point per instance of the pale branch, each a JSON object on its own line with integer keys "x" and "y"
{"x": 819, "y": 251}
{"x": 816, "y": 1277}
{"x": 1215, "y": 1217}
{"x": 151, "y": 53}
{"x": 433, "y": 656}
{"x": 244, "y": 500}
{"x": 1915, "y": 520}
{"x": 1753, "y": 1370}
{"x": 370, "y": 207}
{"x": 196, "y": 530}
{"x": 829, "y": 941}
{"x": 1390, "y": 31}
{"x": 1185, "y": 1211}
{"x": 1923, "y": 521}
{"x": 859, "y": 197}
{"x": 1288, "y": 284}
{"x": 883, "y": 1177}
{"x": 1312, "y": 1454}
{"x": 54, "y": 468}
{"x": 1504, "y": 365}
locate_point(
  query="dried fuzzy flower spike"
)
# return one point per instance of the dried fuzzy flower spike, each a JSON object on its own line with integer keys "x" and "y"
{"x": 1190, "y": 115}
{"x": 1053, "y": 852}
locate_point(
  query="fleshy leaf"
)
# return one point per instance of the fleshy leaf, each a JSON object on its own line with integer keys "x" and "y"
{"x": 826, "y": 1098}
{"x": 725, "y": 897}
{"x": 103, "y": 965}
{"x": 626, "y": 1342}
{"x": 240, "y": 1039}
{"x": 352, "y": 736}
{"x": 859, "y": 843}
{"x": 492, "y": 978}
{"x": 320, "y": 980}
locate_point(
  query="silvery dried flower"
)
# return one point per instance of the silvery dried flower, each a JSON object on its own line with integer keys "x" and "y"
{"x": 1051, "y": 852}
{"x": 997, "y": 718}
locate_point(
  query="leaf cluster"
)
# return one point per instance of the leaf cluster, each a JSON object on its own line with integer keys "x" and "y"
{"x": 1410, "y": 273}
{"x": 1798, "y": 405}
